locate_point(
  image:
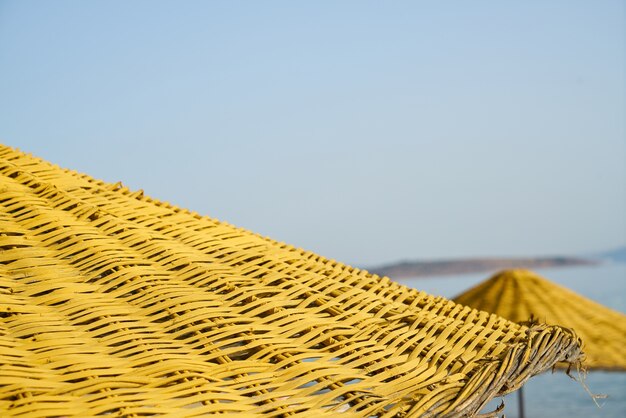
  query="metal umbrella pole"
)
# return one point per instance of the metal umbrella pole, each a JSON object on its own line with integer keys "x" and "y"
{"x": 520, "y": 401}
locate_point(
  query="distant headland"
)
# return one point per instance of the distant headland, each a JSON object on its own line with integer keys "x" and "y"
{"x": 424, "y": 268}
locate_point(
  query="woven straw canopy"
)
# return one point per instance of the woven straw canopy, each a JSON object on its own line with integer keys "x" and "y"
{"x": 518, "y": 294}
{"x": 112, "y": 303}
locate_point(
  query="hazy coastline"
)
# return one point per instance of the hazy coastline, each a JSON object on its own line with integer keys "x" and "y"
{"x": 429, "y": 268}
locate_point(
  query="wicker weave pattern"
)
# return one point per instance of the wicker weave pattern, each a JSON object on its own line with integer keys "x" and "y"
{"x": 112, "y": 303}
{"x": 519, "y": 294}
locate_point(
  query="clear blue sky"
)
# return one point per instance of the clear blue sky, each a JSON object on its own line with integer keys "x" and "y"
{"x": 366, "y": 131}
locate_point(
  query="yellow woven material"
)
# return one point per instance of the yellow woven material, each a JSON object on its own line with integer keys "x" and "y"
{"x": 518, "y": 294}
{"x": 112, "y": 303}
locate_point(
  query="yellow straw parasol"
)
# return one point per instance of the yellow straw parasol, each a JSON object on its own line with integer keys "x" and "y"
{"x": 522, "y": 296}
{"x": 113, "y": 303}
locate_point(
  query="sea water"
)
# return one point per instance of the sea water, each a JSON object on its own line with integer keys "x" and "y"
{"x": 555, "y": 395}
